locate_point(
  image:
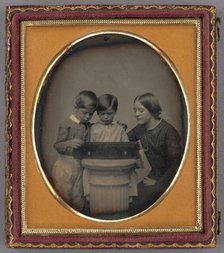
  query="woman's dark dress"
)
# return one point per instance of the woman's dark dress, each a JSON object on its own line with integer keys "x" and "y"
{"x": 163, "y": 149}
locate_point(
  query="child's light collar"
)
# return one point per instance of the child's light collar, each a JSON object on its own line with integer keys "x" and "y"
{"x": 74, "y": 119}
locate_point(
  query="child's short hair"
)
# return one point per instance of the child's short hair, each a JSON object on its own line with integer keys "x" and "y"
{"x": 86, "y": 99}
{"x": 106, "y": 102}
{"x": 151, "y": 103}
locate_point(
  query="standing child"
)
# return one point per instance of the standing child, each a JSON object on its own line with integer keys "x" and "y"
{"x": 67, "y": 172}
{"x": 107, "y": 130}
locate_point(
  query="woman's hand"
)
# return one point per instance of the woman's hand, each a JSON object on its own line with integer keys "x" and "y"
{"x": 148, "y": 181}
{"x": 75, "y": 143}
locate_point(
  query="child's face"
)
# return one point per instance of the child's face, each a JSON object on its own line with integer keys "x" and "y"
{"x": 107, "y": 116}
{"x": 143, "y": 116}
{"x": 84, "y": 115}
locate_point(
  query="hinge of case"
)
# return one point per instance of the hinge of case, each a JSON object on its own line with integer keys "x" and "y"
{"x": 218, "y": 23}
{"x": 219, "y": 223}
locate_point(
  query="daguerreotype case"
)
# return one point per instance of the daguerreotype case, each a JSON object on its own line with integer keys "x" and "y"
{"x": 111, "y": 126}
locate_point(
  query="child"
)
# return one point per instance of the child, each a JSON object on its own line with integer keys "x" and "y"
{"x": 107, "y": 130}
{"x": 67, "y": 171}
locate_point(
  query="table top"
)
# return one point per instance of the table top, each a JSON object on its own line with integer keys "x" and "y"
{"x": 108, "y": 163}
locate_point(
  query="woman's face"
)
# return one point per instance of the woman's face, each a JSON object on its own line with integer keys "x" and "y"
{"x": 143, "y": 116}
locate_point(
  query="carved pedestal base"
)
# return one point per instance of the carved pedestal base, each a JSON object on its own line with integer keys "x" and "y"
{"x": 109, "y": 182}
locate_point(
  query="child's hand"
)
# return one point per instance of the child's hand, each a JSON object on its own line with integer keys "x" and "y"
{"x": 122, "y": 125}
{"x": 75, "y": 143}
{"x": 148, "y": 181}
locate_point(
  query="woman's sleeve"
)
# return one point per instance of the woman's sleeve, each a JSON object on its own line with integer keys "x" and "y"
{"x": 174, "y": 148}
{"x": 173, "y": 143}
{"x": 132, "y": 135}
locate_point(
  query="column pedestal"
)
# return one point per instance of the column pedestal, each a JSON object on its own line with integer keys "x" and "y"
{"x": 109, "y": 182}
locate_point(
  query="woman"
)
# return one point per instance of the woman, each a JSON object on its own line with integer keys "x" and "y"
{"x": 162, "y": 145}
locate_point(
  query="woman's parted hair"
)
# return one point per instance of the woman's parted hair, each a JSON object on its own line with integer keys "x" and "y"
{"x": 151, "y": 103}
{"x": 86, "y": 99}
{"x": 107, "y": 101}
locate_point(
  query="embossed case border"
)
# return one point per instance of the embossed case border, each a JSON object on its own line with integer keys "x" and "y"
{"x": 206, "y": 237}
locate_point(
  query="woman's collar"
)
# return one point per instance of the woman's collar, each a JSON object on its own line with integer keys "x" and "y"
{"x": 151, "y": 128}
